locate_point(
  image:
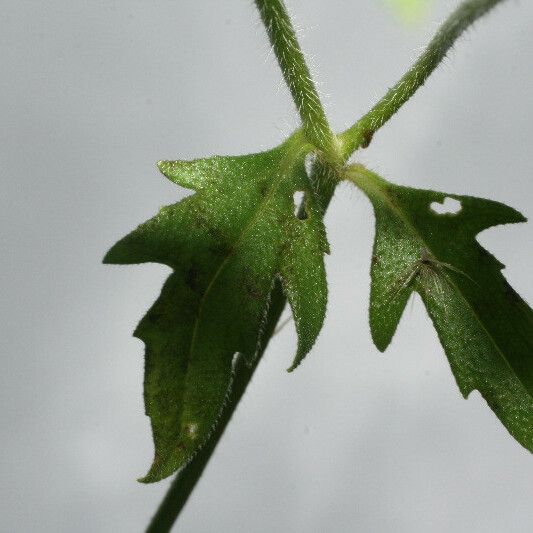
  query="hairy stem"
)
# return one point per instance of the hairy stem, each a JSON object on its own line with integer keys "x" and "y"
{"x": 298, "y": 78}
{"x": 361, "y": 133}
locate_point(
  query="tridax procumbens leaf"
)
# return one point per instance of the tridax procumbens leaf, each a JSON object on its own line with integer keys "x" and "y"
{"x": 486, "y": 329}
{"x": 227, "y": 245}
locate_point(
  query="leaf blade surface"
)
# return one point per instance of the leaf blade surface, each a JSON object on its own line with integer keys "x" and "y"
{"x": 484, "y": 326}
{"x": 227, "y": 245}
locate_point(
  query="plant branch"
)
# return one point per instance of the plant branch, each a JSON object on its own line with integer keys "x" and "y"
{"x": 335, "y": 150}
{"x": 298, "y": 78}
{"x": 361, "y": 133}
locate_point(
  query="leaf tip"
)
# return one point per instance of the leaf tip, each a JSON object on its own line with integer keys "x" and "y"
{"x": 159, "y": 470}
{"x": 188, "y": 174}
{"x": 110, "y": 256}
{"x": 119, "y": 254}
{"x": 167, "y": 168}
{"x": 150, "y": 477}
{"x": 162, "y": 165}
{"x": 381, "y": 341}
{"x": 513, "y": 216}
{"x": 293, "y": 367}
{"x": 299, "y": 357}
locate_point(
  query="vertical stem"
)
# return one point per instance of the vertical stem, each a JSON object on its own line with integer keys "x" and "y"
{"x": 298, "y": 78}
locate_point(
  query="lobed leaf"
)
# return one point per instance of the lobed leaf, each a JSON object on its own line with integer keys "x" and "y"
{"x": 486, "y": 329}
{"x": 227, "y": 244}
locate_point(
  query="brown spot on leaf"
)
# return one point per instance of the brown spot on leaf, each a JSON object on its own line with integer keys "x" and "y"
{"x": 253, "y": 290}
{"x": 180, "y": 447}
{"x": 249, "y": 284}
{"x": 368, "y": 134}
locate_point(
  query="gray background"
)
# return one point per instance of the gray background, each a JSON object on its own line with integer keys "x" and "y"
{"x": 92, "y": 94}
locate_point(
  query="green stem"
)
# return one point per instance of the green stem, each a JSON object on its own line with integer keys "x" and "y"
{"x": 361, "y": 133}
{"x": 298, "y": 78}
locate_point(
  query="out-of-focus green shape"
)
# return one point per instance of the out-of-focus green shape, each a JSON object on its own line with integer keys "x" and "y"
{"x": 227, "y": 244}
{"x": 486, "y": 329}
{"x": 410, "y": 12}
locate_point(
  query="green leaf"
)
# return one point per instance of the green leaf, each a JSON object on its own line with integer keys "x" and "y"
{"x": 227, "y": 245}
{"x": 486, "y": 329}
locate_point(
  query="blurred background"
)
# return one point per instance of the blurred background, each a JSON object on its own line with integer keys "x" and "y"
{"x": 91, "y": 95}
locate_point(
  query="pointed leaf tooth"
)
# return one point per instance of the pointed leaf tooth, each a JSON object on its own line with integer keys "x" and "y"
{"x": 480, "y": 214}
{"x": 188, "y": 174}
{"x": 151, "y": 242}
{"x": 304, "y": 282}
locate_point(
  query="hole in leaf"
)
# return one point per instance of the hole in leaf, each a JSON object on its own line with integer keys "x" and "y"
{"x": 308, "y": 162}
{"x": 450, "y": 206}
{"x": 298, "y": 198}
